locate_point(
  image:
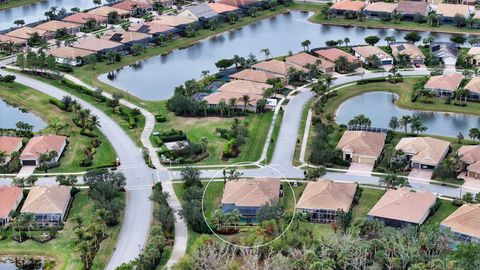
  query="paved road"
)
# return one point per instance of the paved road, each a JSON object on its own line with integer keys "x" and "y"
{"x": 138, "y": 210}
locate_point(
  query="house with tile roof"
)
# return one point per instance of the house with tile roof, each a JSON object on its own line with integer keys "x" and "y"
{"x": 223, "y": 9}
{"x": 105, "y": 10}
{"x": 8, "y": 145}
{"x": 99, "y": 46}
{"x": 82, "y": 18}
{"x": 54, "y": 26}
{"x": 128, "y": 38}
{"x": 10, "y": 199}
{"x": 333, "y": 54}
{"x": 447, "y": 52}
{"x": 254, "y": 76}
{"x": 411, "y": 50}
{"x": 244, "y": 4}
{"x": 444, "y": 85}
{"x": 410, "y": 9}
{"x": 403, "y": 207}
{"x": 4, "y": 39}
{"x": 302, "y": 59}
{"x": 364, "y": 52}
{"x": 361, "y": 146}
{"x": 134, "y": 7}
{"x": 42, "y": 144}
{"x": 474, "y": 54}
{"x": 199, "y": 12}
{"x": 470, "y": 157}
{"x": 423, "y": 152}
{"x": 347, "y": 6}
{"x": 322, "y": 200}
{"x": 249, "y": 195}
{"x": 463, "y": 223}
{"x": 71, "y": 55}
{"x": 155, "y": 29}
{"x": 379, "y": 10}
{"x": 449, "y": 11}
{"x": 474, "y": 87}
{"x": 174, "y": 21}
{"x": 26, "y": 33}
{"x": 276, "y": 67}
{"x": 49, "y": 204}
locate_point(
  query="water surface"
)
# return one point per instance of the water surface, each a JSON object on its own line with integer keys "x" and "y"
{"x": 10, "y": 115}
{"x": 19, "y": 263}
{"x": 380, "y": 107}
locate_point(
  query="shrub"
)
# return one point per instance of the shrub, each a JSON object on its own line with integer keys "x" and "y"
{"x": 373, "y": 80}
{"x": 57, "y": 103}
{"x": 65, "y": 67}
{"x": 160, "y": 118}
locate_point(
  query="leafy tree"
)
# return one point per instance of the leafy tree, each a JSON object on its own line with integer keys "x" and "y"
{"x": 458, "y": 39}
{"x": 412, "y": 37}
{"x": 446, "y": 170}
{"x": 360, "y": 120}
{"x": 305, "y": 44}
{"x": 191, "y": 177}
{"x": 19, "y": 22}
{"x": 315, "y": 173}
{"x": 192, "y": 213}
{"x": 224, "y": 63}
{"x": 271, "y": 211}
{"x": 66, "y": 180}
{"x": 372, "y": 40}
{"x": 394, "y": 123}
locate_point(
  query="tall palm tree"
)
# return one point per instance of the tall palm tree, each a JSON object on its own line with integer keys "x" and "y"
{"x": 346, "y": 41}
{"x": 232, "y": 102}
{"x": 234, "y": 217}
{"x": 266, "y": 52}
{"x": 222, "y": 105}
{"x": 405, "y": 121}
{"x": 246, "y": 100}
{"x": 203, "y": 105}
{"x": 305, "y": 44}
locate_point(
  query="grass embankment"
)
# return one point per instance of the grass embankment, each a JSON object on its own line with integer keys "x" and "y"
{"x": 63, "y": 249}
{"x": 16, "y": 3}
{"x": 301, "y": 131}
{"x": 273, "y": 139}
{"x": 38, "y": 103}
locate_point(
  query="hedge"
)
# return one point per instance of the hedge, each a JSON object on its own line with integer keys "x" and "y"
{"x": 57, "y": 103}
{"x": 373, "y": 80}
{"x": 160, "y": 118}
{"x": 174, "y": 138}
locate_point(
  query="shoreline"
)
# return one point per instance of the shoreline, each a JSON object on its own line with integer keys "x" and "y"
{"x": 17, "y": 4}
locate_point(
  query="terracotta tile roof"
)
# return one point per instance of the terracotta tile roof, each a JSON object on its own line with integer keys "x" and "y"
{"x": 245, "y": 87}
{"x": 47, "y": 199}
{"x": 469, "y": 153}
{"x": 105, "y": 10}
{"x": 254, "y": 75}
{"x": 450, "y": 10}
{"x": 128, "y": 5}
{"x": 82, "y": 18}
{"x": 381, "y": 7}
{"x": 8, "y": 199}
{"x": 302, "y": 59}
{"x": 43, "y": 144}
{"x": 328, "y": 195}
{"x": 464, "y": 220}
{"x": 9, "y": 144}
{"x": 412, "y": 7}
{"x": 449, "y": 82}
{"x": 173, "y": 20}
{"x": 221, "y": 8}
{"x": 96, "y": 44}
{"x": 215, "y": 98}
{"x": 125, "y": 36}
{"x": 276, "y": 66}
{"x": 251, "y": 192}
{"x": 239, "y": 3}
{"x": 404, "y": 204}
{"x": 332, "y": 54}
{"x": 151, "y": 28}
{"x": 477, "y": 15}
{"x": 25, "y": 32}
{"x": 474, "y": 85}
{"x": 474, "y": 167}
{"x": 69, "y": 52}
{"x": 407, "y": 48}
{"x": 474, "y": 50}
{"x": 425, "y": 150}
{"x": 363, "y": 143}
{"x": 7, "y": 39}
{"x": 366, "y": 51}
{"x": 54, "y": 25}
{"x": 348, "y": 5}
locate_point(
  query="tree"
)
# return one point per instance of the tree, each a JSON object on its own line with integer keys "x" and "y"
{"x": 460, "y": 137}
{"x": 137, "y": 49}
{"x": 360, "y": 120}
{"x": 394, "y": 123}
{"x": 224, "y": 63}
{"x": 393, "y": 181}
{"x": 66, "y": 180}
{"x": 372, "y": 40}
{"x": 113, "y": 17}
{"x": 446, "y": 170}
{"x": 342, "y": 65}
{"x": 346, "y": 41}
{"x": 246, "y": 100}
{"x": 192, "y": 213}
{"x": 271, "y": 211}
{"x": 405, "y": 121}
{"x": 19, "y": 22}
{"x": 459, "y": 20}
{"x": 458, "y": 39}
{"x": 305, "y": 44}
{"x": 390, "y": 39}
{"x": 428, "y": 40}
{"x": 412, "y": 37}
{"x": 191, "y": 177}
{"x": 474, "y": 133}
{"x": 373, "y": 61}
{"x": 31, "y": 180}
{"x": 315, "y": 173}
{"x": 416, "y": 124}
{"x": 97, "y": 2}
{"x": 468, "y": 197}
{"x": 266, "y": 52}
{"x": 218, "y": 218}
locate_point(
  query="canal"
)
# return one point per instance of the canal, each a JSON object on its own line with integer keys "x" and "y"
{"x": 161, "y": 74}
{"x": 380, "y": 107}
{"x": 20, "y": 263}
{"x": 10, "y": 115}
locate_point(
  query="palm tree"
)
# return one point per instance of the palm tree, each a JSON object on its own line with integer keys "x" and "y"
{"x": 405, "y": 121}
{"x": 396, "y": 16}
{"x": 3, "y": 157}
{"x": 246, "y": 100}
{"x": 346, "y": 41}
{"x": 203, "y": 105}
{"x": 417, "y": 124}
{"x": 306, "y": 44}
{"x": 234, "y": 217}
{"x": 390, "y": 39}
{"x": 222, "y": 105}
{"x": 218, "y": 218}
{"x": 266, "y": 52}
{"x": 232, "y": 102}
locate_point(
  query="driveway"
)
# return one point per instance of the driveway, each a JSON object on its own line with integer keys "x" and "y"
{"x": 420, "y": 175}
{"x": 360, "y": 168}
{"x": 26, "y": 171}
{"x": 470, "y": 182}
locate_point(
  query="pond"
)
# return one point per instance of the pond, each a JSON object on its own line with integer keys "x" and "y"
{"x": 10, "y": 115}
{"x": 159, "y": 75}
{"x": 380, "y": 107}
{"x": 20, "y": 263}
{"x": 35, "y": 11}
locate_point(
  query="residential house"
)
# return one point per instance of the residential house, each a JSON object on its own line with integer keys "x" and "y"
{"x": 449, "y": 11}
{"x": 10, "y": 198}
{"x": 174, "y": 21}
{"x": 83, "y": 18}
{"x": 42, "y": 144}
{"x": 470, "y": 157}
{"x": 156, "y": 29}
{"x": 254, "y": 76}
{"x": 223, "y": 9}
{"x": 26, "y": 33}
{"x": 347, "y": 6}
{"x": 474, "y": 87}
{"x": 302, "y": 59}
{"x": 447, "y": 52}
{"x": 403, "y": 207}
{"x": 71, "y": 55}
{"x": 128, "y": 38}
{"x": 49, "y": 204}
{"x": 249, "y": 195}
{"x": 473, "y": 55}
{"x": 199, "y": 12}
{"x": 99, "y": 46}
{"x": 54, "y": 26}
{"x": 322, "y": 200}
{"x": 8, "y": 145}
{"x": 364, "y": 52}
{"x": 104, "y": 11}
{"x": 277, "y": 67}
{"x": 411, "y": 9}
{"x": 4, "y": 40}
{"x": 244, "y": 4}
{"x": 134, "y": 7}
{"x": 361, "y": 146}
{"x": 423, "y": 152}
{"x": 413, "y": 52}
{"x": 332, "y": 55}
{"x": 444, "y": 85}
{"x": 379, "y": 10}
{"x": 463, "y": 223}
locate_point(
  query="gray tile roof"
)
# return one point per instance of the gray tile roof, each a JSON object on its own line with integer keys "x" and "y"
{"x": 202, "y": 11}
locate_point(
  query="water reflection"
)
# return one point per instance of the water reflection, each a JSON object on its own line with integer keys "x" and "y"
{"x": 10, "y": 115}
{"x": 20, "y": 263}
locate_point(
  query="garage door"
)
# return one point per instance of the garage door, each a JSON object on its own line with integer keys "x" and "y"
{"x": 28, "y": 162}
{"x": 355, "y": 159}
{"x": 366, "y": 160}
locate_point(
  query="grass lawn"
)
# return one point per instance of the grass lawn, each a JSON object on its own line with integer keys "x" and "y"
{"x": 273, "y": 140}
{"x": 37, "y": 103}
{"x": 63, "y": 248}
{"x": 368, "y": 198}
{"x": 445, "y": 209}
{"x": 288, "y": 200}
{"x": 197, "y": 128}
{"x": 16, "y": 3}
{"x": 301, "y": 131}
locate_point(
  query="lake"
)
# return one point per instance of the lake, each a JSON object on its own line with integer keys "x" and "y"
{"x": 19, "y": 263}
{"x": 159, "y": 75}
{"x": 10, "y": 115}
{"x": 35, "y": 11}
{"x": 380, "y": 107}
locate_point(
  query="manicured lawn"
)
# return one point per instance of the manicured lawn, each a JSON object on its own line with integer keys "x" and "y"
{"x": 367, "y": 200}
{"x": 37, "y": 103}
{"x": 273, "y": 140}
{"x": 63, "y": 248}
{"x": 445, "y": 209}
{"x": 16, "y": 3}
{"x": 301, "y": 131}
{"x": 288, "y": 201}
